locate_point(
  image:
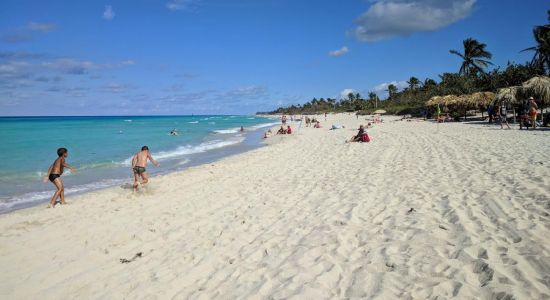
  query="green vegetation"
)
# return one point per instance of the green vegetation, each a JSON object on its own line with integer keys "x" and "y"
{"x": 472, "y": 77}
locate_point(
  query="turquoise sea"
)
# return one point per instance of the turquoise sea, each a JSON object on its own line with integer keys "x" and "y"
{"x": 101, "y": 148}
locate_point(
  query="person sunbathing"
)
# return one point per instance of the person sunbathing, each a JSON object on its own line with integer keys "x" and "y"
{"x": 281, "y": 130}
{"x": 317, "y": 125}
{"x": 359, "y": 136}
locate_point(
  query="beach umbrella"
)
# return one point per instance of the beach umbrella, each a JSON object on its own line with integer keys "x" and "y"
{"x": 449, "y": 100}
{"x": 380, "y": 111}
{"x": 537, "y": 87}
{"x": 481, "y": 99}
{"x": 433, "y": 101}
{"x": 508, "y": 94}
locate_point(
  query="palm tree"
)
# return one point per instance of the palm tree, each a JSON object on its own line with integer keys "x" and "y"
{"x": 541, "y": 58}
{"x": 413, "y": 83}
{"x": 474, "y": 58}
{"x": 373, "y": 98}
{"x": 392, "y": 90}
{"x": 351, "y": 97}
{"x": 429, "y": 83}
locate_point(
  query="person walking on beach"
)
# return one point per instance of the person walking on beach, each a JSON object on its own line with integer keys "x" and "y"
{"x": 533, "y": 107}
{"x": 139, "y": 162}
{"x": 54, "y": 176}
{"x": 504, "y": 116}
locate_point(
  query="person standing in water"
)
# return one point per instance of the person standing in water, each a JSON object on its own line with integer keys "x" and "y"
{"x": 54, "y": 176}
{"x": 139, "y": 162}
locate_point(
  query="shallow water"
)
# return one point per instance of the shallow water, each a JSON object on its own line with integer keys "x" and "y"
{"x": 101, "y": 148}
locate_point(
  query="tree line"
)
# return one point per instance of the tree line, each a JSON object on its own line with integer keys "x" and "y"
{"x": 472, "y": 76}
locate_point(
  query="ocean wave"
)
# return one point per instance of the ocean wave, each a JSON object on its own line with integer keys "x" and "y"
{"x": 189, "y": 149}
{"x": 227, "y": 131}
{"x": 193, "y": 122}
{"x": 183, "y": 162}
{"x": 259, "y": 126}
{"x": 34, "y": 197}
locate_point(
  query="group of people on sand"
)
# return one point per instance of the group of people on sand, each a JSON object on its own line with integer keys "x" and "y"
{"x": 309, "y": 121}
{"x": 282, "y": 130}
{"x": 312, "y": 122}
{"x": 527, "y": 114}
{"x": 139, "y": 164}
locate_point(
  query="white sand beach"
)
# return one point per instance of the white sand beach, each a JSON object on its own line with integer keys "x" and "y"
{"x": 424, "y": 211}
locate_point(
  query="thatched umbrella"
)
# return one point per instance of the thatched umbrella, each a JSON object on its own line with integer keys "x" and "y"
{"x": 449, "y": 100}
{"x": 435, "y": 100}
{"x": 481, "y": 100}
{"x": 537, "y": 87}
{"x": 508, "y": 95}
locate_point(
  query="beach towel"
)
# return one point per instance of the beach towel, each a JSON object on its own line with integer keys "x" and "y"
{"x": 365, "y": 138}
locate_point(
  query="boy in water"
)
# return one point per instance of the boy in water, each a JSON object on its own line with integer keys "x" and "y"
{"x": 54, "y": 175}
{"x": 139, "y": 162}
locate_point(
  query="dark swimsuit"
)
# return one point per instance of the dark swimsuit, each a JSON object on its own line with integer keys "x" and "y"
{"x": 53, "y": 177}
{"x": 139, "y": 170}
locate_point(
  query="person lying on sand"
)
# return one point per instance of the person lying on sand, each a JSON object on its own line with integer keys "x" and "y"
{"x": 317, "y": 124}
{"x": 139, "y": 162}
{"x": 54, "y": 176}
{"x": 359, "y": 136}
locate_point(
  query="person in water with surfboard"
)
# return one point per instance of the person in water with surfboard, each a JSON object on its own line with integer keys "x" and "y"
{"x": 54, "y": 176}
{"x": 139, "y": 162}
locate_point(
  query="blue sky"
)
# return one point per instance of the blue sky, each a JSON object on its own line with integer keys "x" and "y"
{"x": 145, "y": 57}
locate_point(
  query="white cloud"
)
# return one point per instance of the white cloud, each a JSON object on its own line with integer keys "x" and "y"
{"x": 116, "y": 88}
{"x": 339, "y": 52}
{"x": 27, "y": 33}
{"x": 251, "y": 92}
{"x": 128, "y": 62}
{"x": 42, "y": 27}
{"x": 174, "y": 5}
{"x": 390, "y": 18}
{"x": 344, "y": 93}
{"x": 72, "y": 66}
{"x": 382, "y": 89}
{"x": 109, "y": 13}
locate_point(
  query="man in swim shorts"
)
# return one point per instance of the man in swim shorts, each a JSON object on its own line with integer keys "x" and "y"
{"x": 54, "y": 176}
{"x": 139, "y": 162}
